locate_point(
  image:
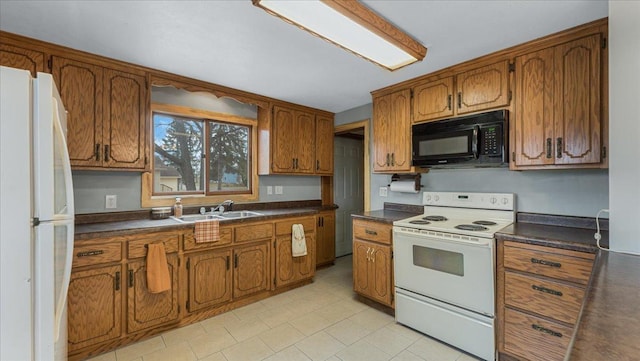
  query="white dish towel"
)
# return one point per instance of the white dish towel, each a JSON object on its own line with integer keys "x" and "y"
{"x": 298, "y": 242}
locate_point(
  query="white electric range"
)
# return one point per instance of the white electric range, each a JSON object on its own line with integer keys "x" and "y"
{"x": 444, "y": 267}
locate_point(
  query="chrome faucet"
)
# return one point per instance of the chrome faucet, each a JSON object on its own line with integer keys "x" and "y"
{"x": 221, "y": 207}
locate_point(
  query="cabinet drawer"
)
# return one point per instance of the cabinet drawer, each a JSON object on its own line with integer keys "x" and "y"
{"x": 253, "y": 232}
{"x": 137, "y": 247}
{"x": 372, "y": 231}
{"x": 552, "y": 299}
{"x": 226, "y": 236}
{"x": 569, "y": 266}
{"x": 90, "y": 253}
{"x": 284, "y": 227}
{"x": 533, "y": 338}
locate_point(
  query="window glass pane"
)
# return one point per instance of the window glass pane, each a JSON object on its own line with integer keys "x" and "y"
{"x": 228, "y": 155}
{"x": 177, "y": 154}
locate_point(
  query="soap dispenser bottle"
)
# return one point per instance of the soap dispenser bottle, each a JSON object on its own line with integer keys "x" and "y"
{"x": 177, "y": 208}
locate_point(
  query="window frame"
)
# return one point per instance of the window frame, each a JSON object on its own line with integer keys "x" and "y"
{"x": 151, "y": 199}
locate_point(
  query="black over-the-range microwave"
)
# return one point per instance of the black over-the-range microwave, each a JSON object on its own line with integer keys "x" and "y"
{"x": 478, "y": 140}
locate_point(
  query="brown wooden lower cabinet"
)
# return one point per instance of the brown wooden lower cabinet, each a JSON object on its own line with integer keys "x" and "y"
{"x": 539, "y": 294}
{"x": 251, "y": 269}
{"x": 146, "y": 309}
{"x": 326, "y": 238}
{"x": 291, "y": 269}
{"x": 372, "y": 271}
{"x": 209, "y": 279}
{"x": 94, "y": 306}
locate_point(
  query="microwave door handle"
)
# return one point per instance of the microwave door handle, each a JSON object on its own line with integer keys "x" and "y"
{"x": 474, "y": 141}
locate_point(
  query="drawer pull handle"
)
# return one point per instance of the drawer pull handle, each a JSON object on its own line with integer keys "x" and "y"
{"x": 547, "y": 290}
{"x": 90, "y": 253}
{"x": 373, "y": 233}
{"x": 130, "y": 278}
{"x": 546, "y": 330}
{"x": 546, "y": 263}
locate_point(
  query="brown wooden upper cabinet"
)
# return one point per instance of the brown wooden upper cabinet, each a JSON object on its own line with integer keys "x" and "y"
{"x": 474, "y": 90}
{"x": 558, "y": 117}
{"x": 392, "y": 132}
{"x": 22, "y": 58}
{"x": 302, "y": 142}
{"x": 107, "y": 112}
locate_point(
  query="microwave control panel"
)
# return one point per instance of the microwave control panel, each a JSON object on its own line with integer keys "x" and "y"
{"x": 491, "y": 140}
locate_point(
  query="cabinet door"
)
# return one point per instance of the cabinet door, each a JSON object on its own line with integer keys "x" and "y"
{"x": 210, "y": 281}
{"x": 433, "y": 100}
{"x": 124, "y": 121}
{"x": 94, "y": 306}
{"x": 326, "y": 243}
{"x": 146, "y": 309}
{"x": 361, "y": 279}
{"x": 577, "y": 117}
{"x": 380, "y": 274}
{"x": 305, "y": 137}
{"x": 80, "y": 86}
{"x": 534, "y": 109}
{"x": 305, "y": 266}
{"x": 324, "y": 145}
{"x": 251, "y": 269}
{"x": 381, "y": 129}
{"x": 284, "y": 140}
{"x": 285, "y": 271}
{"x": 21, "y": 58}
{"x": 400, "y": 131}
{"x": 483, "y": 88}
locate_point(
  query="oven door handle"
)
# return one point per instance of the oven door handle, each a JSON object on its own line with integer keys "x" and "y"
{"x": 482, "y": 242}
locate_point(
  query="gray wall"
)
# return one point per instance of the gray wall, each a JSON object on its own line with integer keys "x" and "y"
{"x": 566, "y": 192}
{"x": 624, "y": 87}
{"x": 91, "y": 187}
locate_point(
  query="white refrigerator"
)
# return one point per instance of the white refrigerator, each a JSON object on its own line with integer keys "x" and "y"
{"x": 36, "y": 218}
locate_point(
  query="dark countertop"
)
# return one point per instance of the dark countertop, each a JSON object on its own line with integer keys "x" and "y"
{"x": 609, "y": 325}
{"x": 570, "y": 238}
{"x": 108, "y": 229}
{"x": 391, "y": 212}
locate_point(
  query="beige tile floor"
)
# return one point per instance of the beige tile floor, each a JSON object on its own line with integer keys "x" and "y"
{"x": 320, "y": 321}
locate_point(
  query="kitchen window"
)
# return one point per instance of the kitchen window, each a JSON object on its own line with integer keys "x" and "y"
{"x": 201, "y": 156}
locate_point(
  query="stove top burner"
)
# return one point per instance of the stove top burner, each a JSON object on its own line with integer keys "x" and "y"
{"x": 419, "y": 221}
{"x": 435, "y": 218}
{"x": 471, "y": 227}
{"x": 485, "y": 223}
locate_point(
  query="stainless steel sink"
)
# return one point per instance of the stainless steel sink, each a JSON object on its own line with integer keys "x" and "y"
{"x": 191, "y": 218}
{"x": 240, "y": 214}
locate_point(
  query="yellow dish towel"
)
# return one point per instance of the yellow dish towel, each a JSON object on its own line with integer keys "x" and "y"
{"x": 158, "y": 279}
{"x": 207, "y": 231}
{"x": 298, "y": 241}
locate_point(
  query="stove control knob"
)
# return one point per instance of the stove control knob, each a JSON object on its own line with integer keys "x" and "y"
{"x": 505, "y": 201}
{"x": 428, "y": 198}
{"x": 493, "y": 200}
{"x": 436, "y": 198}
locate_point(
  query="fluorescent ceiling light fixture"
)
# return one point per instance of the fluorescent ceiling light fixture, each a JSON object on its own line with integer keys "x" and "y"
{"x": 352, "y": 26}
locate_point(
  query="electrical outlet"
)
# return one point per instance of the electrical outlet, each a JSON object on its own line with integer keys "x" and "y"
{"x": 279, "y": 189}
{"x": 269, "y": 190}
{"x": 382, "y": 192}
{"x": 111, "y": 201}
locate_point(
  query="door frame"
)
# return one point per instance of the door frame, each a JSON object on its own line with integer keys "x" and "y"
{"x": 365, "y": 124}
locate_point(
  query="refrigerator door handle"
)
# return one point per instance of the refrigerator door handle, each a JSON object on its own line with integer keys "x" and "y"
{"x": 66, "y": 164}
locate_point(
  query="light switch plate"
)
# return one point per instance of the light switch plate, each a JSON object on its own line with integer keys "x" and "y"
{"x": 382, "y": 192}
{"x": 111, "y": 201}
{"x": 269, "y": 190}
{"x": 278, "y": 189}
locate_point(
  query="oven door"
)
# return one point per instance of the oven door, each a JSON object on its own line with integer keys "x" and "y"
{"x": 455, "y": 271}
{"x": 445, "y": 146}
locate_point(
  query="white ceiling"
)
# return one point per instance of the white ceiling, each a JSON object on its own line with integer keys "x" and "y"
{"x": 236, "y": 44}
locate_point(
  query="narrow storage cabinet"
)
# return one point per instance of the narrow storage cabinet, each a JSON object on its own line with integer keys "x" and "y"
{"x": 372, "y": 261}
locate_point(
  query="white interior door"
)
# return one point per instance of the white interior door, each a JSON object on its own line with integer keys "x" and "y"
{"x": 348, "y": 186}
